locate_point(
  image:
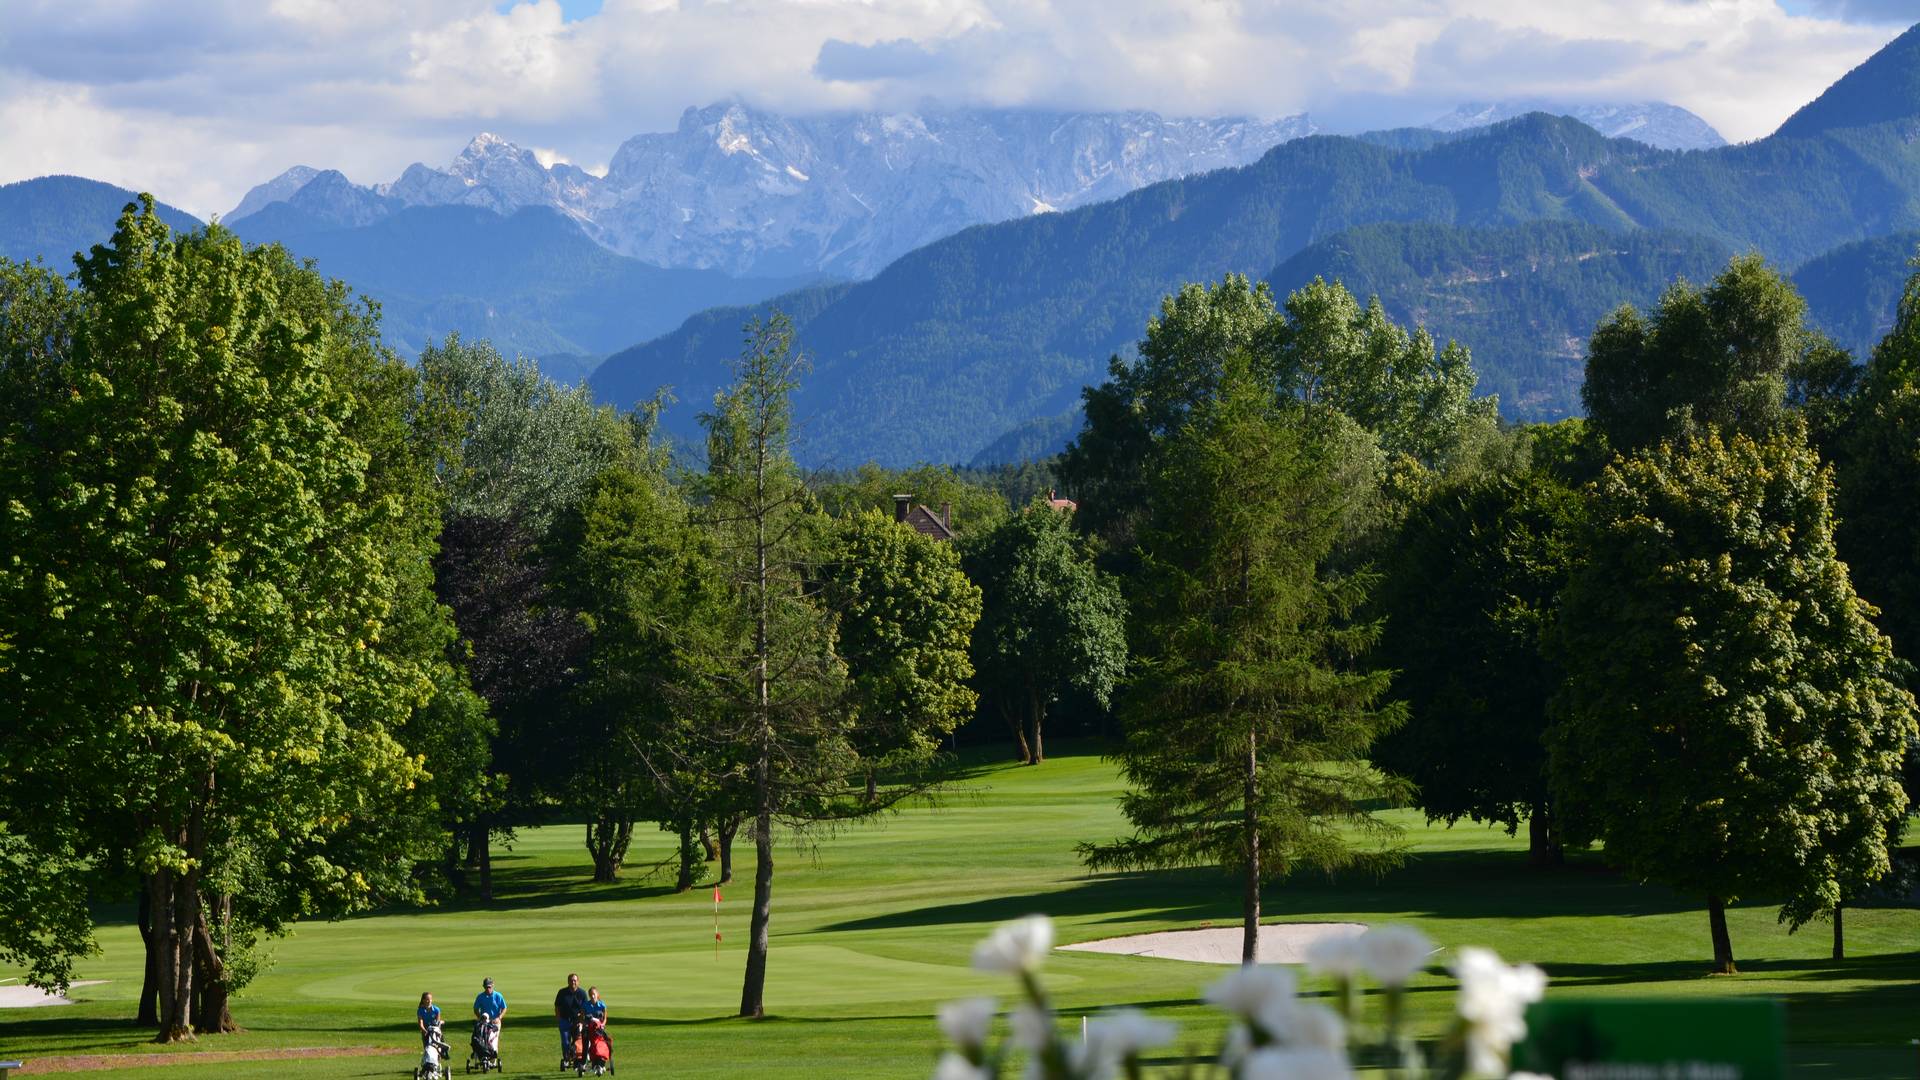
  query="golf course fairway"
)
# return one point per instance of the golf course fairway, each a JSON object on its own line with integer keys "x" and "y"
{"x": 873, "y": 926}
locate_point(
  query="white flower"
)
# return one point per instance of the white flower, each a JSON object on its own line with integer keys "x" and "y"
{"x": 1236, "y": 1046}
{"x": 1491, "y": 990}
{"x": 966, "y": 1022}
{"x": 1296, "y": 1064}
{"x": 1085, "y": 1061}
{"x": 1337, "y": 955}
{"x": 954, "y": 1067}
{"x": 1493, "y": 1001}
{"x": 1300, "y": 1024}
{"x": 1015, "y": 947}
{"x": 1123, "y": 1033}
{"x": 1032, "y": 1027}
{"x": 1394, "y": 954}
{"x": 1248, "y": 991}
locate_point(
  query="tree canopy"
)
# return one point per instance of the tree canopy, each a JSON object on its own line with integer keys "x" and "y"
{"x": 204, "y": 561}
{"x": 1731, "y": 722}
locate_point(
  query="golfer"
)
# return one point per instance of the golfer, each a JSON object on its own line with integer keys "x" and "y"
{"x": 428, "y": 1014}
{"x": 568, "y": 1005}
{"x": 490, "y": 1007}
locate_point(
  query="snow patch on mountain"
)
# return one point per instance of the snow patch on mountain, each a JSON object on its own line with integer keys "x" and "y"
{"x": 758, "y": 193}
{"x": 1655, "y": 123}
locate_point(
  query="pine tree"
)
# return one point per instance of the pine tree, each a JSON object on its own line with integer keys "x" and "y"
{"x": 1251, "y": 713}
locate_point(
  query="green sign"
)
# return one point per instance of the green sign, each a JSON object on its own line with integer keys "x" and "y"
{"x": 1643, "y": 1039}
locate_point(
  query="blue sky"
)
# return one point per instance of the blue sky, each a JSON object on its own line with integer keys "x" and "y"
{"x": 198, "y": 102}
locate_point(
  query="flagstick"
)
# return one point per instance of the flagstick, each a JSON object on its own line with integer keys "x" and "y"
{"x": 716, "y": 924}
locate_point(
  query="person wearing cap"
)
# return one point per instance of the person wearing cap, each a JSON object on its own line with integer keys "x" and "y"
{"x": 489, "y": 1005}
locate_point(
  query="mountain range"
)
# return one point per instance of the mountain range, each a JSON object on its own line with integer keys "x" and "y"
{"x": 1655, "y": 123}
{"x": 755, "y": 193}
{"x": 958, "y": 275}
{"x": 1530, "y": 229}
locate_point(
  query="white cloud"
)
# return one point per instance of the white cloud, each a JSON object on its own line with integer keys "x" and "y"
{"x": 198, "y": 102}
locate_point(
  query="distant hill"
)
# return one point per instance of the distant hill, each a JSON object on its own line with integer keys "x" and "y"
{"x": 1524, "y": 298}
{"x": 55, "y": 217}
{"x": 960, "y": 342}
{"x": 531, "y": 282}
{"x": 1884, "y": 88}
{"x": 1655, "y": 123}
{"x": 1852, "y": 291}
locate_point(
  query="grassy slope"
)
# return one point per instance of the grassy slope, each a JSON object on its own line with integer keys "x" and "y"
{"x": 872, "y": 928}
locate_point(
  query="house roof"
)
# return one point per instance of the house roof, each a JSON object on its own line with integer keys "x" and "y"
{"x": 928, "y": 524}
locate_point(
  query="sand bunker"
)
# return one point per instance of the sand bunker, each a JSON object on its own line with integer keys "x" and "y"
{"x": 1280, "y": 943}
{"x": 18, "y": 996}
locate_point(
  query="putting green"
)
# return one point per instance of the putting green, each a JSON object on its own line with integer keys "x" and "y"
{"x": 873, "y": 927}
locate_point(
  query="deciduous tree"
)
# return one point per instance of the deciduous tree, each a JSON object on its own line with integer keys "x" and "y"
{"x": 200, "y": 571}
{"x": 1732, "y": 722}
{"x": 1051, "y": 620}
{"x": 1472, "y": 575}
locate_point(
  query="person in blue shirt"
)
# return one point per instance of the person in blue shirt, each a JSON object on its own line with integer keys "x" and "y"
{"x": 429, "y": 1015}
{"x": 596, "y": 1008}
{"x": 489, "y": 1005}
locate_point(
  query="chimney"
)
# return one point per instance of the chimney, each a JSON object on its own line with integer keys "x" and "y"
{"x": 900, "y": 506}
{"x": 946, "y": 515}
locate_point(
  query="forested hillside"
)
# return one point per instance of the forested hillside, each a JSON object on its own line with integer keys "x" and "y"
{"x": 1852, "y": 290}
{"x": 964, "y": 340}
{"x": 54, "y": 217}
{"x": 1524, "y": 298}
{"x": 531, "y": 282}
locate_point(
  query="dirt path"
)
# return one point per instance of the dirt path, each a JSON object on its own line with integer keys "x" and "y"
{"x": 89, "y": 1062}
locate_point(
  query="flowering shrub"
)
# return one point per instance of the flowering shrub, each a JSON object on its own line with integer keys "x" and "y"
{"x": 1275, "y": 1034}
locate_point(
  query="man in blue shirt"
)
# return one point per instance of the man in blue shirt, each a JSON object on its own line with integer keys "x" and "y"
{"x": 490, "y": 1008}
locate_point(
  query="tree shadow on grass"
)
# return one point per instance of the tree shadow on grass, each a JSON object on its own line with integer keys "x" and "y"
{"x": 56, "y": 1036}
{"x": 1469, "y": 884}
{"x": 539, "y": 886}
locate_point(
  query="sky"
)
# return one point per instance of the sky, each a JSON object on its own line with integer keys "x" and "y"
{"x": 198, "y": 100}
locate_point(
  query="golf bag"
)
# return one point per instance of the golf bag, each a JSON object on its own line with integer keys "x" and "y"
{"x": 484, "y": 1048}
{"x": 434, "y": 1052}
{"x": 573, "y": 1054}
{"x": 598, "y": 1046}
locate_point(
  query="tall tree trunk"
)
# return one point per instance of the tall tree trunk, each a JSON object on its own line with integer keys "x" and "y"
{"x": 452, "y": 865}
{"x": 477, "y": 835}
{"x": 689, "y": 857}
{"x": 608, "y": 836}
{"x": 1839, "y": 932}
{"x": 1722, "y": 944}
{"x": 149, "y": 1013}
{"x": 175, "y": 905}
{"x": 1036, "y": 712}
{"x": 1250, "y": 904}
{"x": 754, "y": 986}
{"x": 211, "y": 1015}
{"x": 728, "y": 830}
{"x": 1543, "y": 843}
{"x": 708, "y": 848}
{"x": 753, "y": 992}
{"x": 486, "y": 862}
{"x": 1016, "y": 723}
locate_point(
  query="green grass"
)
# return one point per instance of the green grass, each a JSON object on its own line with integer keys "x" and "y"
{"x": 873, "y": 927}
